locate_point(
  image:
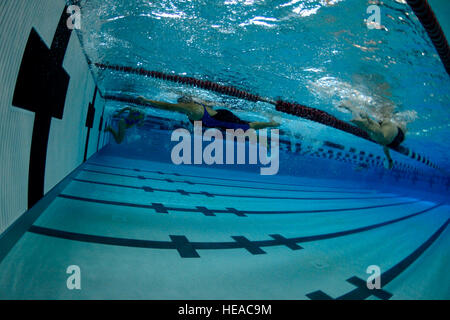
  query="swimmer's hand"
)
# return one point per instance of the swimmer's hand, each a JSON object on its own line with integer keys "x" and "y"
{"x": 391, "y": 164}
{"x": 388, "y": 164}
{"x": 274, "y": 123}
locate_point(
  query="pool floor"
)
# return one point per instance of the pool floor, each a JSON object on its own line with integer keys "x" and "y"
{"x": 149, "y": 230}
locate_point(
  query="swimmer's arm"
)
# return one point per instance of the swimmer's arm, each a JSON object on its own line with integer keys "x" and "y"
{"x": 125, "y": 109}
{"x": 157, "y": 104}
{"x": 200, "y": 100}
{"x": 373, "y": 125}
{"x": 141, "y": 120}
{"x": 165, "y": 105}
{"x": 118, "y": 113}
{"x": 262, "y": 125}
{"x": 160, "y": 104}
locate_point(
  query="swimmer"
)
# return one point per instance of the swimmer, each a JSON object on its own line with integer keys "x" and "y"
{"x": 134, "y": 117}
{"x": 199, "y": 110}
{"x": 386, "y": 132}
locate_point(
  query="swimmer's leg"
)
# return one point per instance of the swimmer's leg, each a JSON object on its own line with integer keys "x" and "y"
{"x": 192, "y": 110}
{"x": 120, "y": 134}
{"x": 113, "y": 132}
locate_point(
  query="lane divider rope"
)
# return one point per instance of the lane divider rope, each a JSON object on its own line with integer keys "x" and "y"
{"x": 431, "y": 25}
{"x": 295, "y": 109}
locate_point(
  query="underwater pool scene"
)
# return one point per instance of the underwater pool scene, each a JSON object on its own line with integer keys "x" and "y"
{"x": 224, "y": 150}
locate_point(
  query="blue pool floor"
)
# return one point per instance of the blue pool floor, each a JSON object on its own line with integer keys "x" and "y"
{"x": 150, "y": 230}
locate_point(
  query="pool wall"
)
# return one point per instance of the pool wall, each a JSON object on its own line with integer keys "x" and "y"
{"x": 46, "y": 89}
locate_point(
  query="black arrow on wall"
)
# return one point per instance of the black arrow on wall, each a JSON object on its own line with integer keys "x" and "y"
{"x": 41, "y": 87}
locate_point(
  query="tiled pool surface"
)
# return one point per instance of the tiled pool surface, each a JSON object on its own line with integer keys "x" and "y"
{"x": 151, "y": 230}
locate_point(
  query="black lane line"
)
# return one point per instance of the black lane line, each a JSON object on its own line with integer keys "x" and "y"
{"x": 361, "y": 292}
{"x": 230, "y": 195}
{"x": 184, "y": 246}
{"x": 102, "y": 239}
{"x": 362, "y": 229}
{"x": 218, "y": 185}
{"x": 215, "y": 178}
{"x": 116, "y": 185}
{"x": 116, "y": 203}
{"x": 160, "y": 206}
{"x": 333, "y": 210}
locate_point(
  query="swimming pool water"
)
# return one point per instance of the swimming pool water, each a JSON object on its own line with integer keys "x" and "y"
{"x": 316, "y": 53}
{"x": 140, "y": 227}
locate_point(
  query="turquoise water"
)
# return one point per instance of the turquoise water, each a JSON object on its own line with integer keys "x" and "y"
{"x": 304, "y": 51}
{"x": 317, "y": 53}
{"x": 140, "y": 227}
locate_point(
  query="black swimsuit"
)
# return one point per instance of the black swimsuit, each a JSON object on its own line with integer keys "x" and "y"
{"x": 223, "y": 119}
{"x": 399, "y": 138}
